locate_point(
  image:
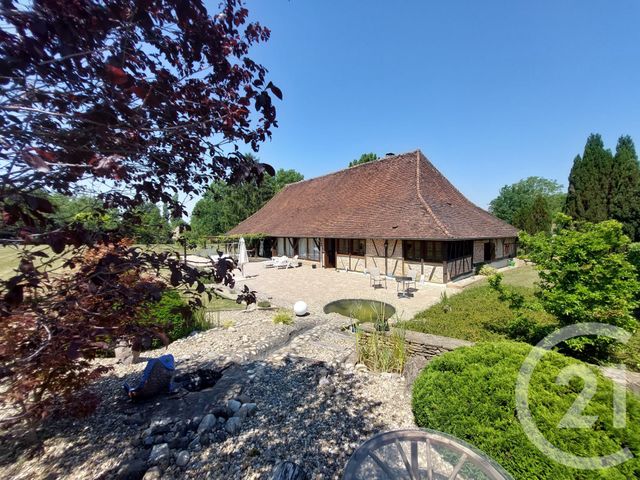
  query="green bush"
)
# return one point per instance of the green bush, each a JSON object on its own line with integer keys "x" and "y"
{"x": 586, "y": 275}
{"x": 470, "y": 393}
{"x": 487, "y": 270}
{"x": 173, "y": 314}
{"x": 283, "y": 318}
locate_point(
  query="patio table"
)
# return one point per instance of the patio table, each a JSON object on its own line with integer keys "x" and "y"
{"x": 420, "y": 454}
{"x": 402, "y": 286}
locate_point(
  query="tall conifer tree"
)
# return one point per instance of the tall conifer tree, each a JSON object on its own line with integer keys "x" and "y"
{"x": 624, "y": 190}
{"x": 589, "y": 182}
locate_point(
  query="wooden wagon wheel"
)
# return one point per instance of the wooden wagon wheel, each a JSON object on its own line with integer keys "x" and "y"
{"x": 420, "y": 454}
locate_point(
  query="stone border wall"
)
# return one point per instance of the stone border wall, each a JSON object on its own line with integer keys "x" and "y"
{"x": 422, "y": 344}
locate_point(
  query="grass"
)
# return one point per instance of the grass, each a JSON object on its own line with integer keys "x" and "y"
{"x": 283, "y": 317}
{"x": 382, "y": 352}
{"x": 476, "y": 314}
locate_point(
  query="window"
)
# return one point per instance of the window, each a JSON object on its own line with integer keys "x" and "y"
{"x": 460, "y": 249}
{"x": 358, "y": 247}
{"x": 412, "y": 250}
{"x": 432, "y": 251}
{"x": 418, "y": 250}
{"x": 343, "y": 246}
{"x": 314, "y": 249}
{"x": 352, "y": 246}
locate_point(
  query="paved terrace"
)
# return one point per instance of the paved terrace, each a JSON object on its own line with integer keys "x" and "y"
{"x": 319, "y": 286}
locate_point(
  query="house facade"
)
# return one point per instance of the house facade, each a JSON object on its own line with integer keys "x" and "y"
{"x": 393, "y": 214}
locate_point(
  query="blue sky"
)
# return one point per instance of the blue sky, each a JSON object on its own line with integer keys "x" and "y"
{"x": 490, "y": 91}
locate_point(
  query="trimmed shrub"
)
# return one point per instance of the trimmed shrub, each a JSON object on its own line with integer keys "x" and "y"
{"x": 470, "y": 393}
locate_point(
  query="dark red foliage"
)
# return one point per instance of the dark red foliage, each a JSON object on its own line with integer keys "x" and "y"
{"x": 131, "y": 101}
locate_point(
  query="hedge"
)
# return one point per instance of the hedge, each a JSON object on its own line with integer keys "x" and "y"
{"x": 470, "y": 393}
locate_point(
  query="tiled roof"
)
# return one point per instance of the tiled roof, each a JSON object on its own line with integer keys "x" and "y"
{"x": 401, "y": 196}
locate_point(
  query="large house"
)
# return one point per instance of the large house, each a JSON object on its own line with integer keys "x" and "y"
{"x": 393, "y": 214}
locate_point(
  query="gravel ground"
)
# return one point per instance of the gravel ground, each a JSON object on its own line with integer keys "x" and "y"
{"x": 314, "y": 407}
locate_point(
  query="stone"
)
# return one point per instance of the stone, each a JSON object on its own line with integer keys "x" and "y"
{"x": 160, "y": 454}
{"x": 179, "y": 443}
{"x": 125, "y": 354}
{"x": 154, "y": 473}
{"x": 243, "y": 398}
{"x": 288, "y": 471}
{"x": 148, "y": 441}
{"x": 247, "y": 410}
{"x": 233, "y": 425}
{"x": 183, "y": 458}
{"x": 234, "y": 406}
{"x": 195, "y": 444}
{"x": 162, "y": 425}
{"x": 221, "y": 411}
{"x": 133, "y": 470}
{"x": 207, "y": 423}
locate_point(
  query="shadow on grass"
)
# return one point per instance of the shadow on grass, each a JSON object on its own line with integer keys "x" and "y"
{"x": 307, "y": 412}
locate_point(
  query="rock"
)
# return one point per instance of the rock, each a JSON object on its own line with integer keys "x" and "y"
{"x": 247, "y": 410}
{"x": 162, "y": 425}
{"x": 133, "y": 470}
{"x": 233, "y": 425}
{"x": 288, "y": 471}
{"x": 234, "y": 405}
{"x": 179, "y": 443}
{"x": 415, "y": 364}
{"x": 148, "y": 441}
{"x": 207, "y": 423}
{"x": 243, "y": 398}
{"x": 195, "y": 444}
{"x": 153, "y": 473}
{"x": 183, "y": 458}
{"x": 160, "y": 454}
{"x": 221, "y": 412}
{"x": 125, "y": 354}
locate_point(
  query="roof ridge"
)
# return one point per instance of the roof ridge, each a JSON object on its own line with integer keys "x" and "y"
{"x": 424, "y": 202}
{"x": 381, "y": 159}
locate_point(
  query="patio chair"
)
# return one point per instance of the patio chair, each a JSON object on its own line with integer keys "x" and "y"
{"x": 375, "y": 278}
{"x": 291, "y": 263}
{"x": 276, "y": 262}
{"x": 279, "y": 262}
{"x": 413, "y": 274}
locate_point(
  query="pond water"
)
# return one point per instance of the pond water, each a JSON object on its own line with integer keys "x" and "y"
{"x": 361, "y": 310}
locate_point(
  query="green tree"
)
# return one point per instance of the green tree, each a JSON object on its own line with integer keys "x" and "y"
{"x": 624, "y": 198}
{"x": 147, "y": 225}
{"x": 589, "y": 182}
{"x": 223, "y": 206}
{"x": 85, "y": 210}
{"x": 364, "y": 158}
{"x": 585, "y": 276}
{"x": 535, "y": 217}
{"x": 515, "y": 202}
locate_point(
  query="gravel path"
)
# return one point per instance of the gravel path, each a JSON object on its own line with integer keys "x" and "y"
{"x": 313, "y": 406}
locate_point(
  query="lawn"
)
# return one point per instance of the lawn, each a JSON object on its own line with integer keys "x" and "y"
{"x": 476, "y": 314}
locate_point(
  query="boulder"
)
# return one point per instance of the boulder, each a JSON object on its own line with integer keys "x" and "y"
{"x": 232, "y": 425}
{"x": 183, "y": 458}
{"x": 159, "y": 454}
{"x": 207, "y": 423}
{"x": 288, "y": 471}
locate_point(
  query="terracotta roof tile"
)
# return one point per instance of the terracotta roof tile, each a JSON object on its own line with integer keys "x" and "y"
{"x": 403, "y": 196}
